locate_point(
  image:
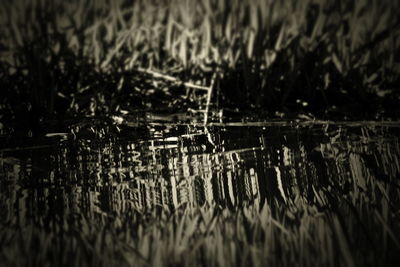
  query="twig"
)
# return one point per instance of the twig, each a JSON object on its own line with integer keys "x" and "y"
{"x": 172, "y": 79}
{"x": 186, "y": 84}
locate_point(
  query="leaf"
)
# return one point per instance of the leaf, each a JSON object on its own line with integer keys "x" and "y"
{"x": 183, "y": 49}
{"x": 337, "y": 63}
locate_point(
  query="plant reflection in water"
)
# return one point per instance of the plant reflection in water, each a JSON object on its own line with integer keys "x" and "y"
{"x": 218, "y": 196}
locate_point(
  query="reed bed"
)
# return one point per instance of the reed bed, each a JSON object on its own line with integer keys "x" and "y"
{"x": 210, "y": 236}
{"x": 278, "y": 55}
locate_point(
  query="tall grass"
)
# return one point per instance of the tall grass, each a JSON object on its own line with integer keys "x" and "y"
{"x": 205, "y": 236}
{"x": 268, "y": 53}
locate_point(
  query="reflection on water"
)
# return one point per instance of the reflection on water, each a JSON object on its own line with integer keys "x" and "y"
{"x": 218, "y": 166}
{"x": 186, "y": 166}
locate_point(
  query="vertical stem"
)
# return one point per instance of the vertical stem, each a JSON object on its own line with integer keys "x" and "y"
{"x": 209, "y": 94}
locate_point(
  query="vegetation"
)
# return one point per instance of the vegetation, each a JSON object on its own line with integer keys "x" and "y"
{"x": 300, "y": 233}
{"x": 332, "y": 58}
{"x": 336, "y": 59}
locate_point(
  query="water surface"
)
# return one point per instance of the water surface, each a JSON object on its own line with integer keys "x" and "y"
{"x": 331, "y": 189}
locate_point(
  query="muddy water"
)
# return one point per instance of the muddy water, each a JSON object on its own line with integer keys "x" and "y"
{"x": 166, "y": 167}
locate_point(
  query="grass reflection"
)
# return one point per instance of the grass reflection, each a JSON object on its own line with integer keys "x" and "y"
{"x": 235, "y": 196}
